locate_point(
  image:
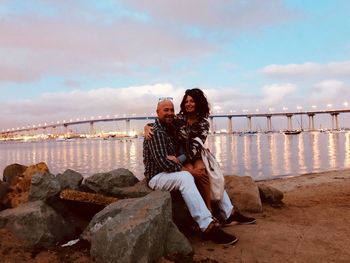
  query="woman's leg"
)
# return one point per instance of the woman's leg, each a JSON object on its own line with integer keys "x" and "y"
{"x": 203, "y": 183}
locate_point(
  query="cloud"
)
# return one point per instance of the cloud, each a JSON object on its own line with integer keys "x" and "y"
{"x": 308, "y": 70}
{"x": 215, "y": 14}
{"x": 49, "y": 107}
{"x": 138, "y": 100}
{"x": 276, "y": 94}
{"x": 329, "y": 91}
{"x": 34, "y": 47}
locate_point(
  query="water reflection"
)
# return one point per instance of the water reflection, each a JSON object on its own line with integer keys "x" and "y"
{"x": 315, "y": 153}
{"x": 287, "y": 153}
{"x": 272, "y": 153}
{"x": 332, "y": 149}
{"x": 347, "y": 150}
{"x": 261, "y": 156}
{"x": 301, "y": 152}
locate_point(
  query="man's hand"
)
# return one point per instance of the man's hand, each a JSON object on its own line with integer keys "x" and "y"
{"x": 148, "y": 132}
{"x": 173, "y": 158}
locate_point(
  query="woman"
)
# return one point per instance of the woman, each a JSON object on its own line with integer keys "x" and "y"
{"x": 190, "y": 123}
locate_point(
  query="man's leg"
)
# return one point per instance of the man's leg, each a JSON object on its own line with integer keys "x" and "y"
{"x": 184, "y": 182}
{"x": 230, "y": 214}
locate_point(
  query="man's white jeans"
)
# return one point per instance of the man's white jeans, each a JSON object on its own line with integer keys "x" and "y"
{"x": 184, "y": 182}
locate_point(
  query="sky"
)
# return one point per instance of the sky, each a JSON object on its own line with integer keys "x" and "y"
{"x": 64, "y": 60}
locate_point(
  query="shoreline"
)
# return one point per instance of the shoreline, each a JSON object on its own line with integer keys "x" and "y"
{"x": 306, "y": 179}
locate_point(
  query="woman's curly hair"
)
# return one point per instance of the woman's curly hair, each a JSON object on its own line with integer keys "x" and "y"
{"x": 202, "y": 105}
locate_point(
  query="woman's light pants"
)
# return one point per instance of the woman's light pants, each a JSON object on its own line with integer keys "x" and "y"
{"x": 184, "y": 182}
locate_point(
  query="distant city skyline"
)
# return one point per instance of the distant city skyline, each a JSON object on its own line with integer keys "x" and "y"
{"x": 74, "y": 59}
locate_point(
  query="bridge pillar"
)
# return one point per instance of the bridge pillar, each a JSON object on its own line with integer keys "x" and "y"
{"x": 290, "y": 123}
{"x": 249, "y": 118}
{"x": 127, "y": 126}
{"x": 311, "y": 121}
{"x": 92, "y": 129}
{"x": 211, "y": 121}
{"x": 335, "y": 123}
{"x": 230, "y": 129}
{"x": 269, "y": 123}
{"x": 65, "y": 126}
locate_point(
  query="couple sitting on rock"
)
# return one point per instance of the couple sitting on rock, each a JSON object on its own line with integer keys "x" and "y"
{"x": 173, "y": 161}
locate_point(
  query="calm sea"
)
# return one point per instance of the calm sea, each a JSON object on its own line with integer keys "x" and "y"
{"x": 261, "y": 156}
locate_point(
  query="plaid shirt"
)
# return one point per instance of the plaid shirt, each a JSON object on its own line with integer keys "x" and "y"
{"x": 155, "y": 151}
{"x": 186, "y": 134}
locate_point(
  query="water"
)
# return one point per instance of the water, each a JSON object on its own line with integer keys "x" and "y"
{"x": 262, "y": 156}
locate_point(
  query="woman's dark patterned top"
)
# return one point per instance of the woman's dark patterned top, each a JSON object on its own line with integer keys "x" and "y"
{"x": 186, "y": 134}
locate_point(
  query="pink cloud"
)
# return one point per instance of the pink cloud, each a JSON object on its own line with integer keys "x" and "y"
{"x": 213, "y": 14}
{"x": 31, "y": 47}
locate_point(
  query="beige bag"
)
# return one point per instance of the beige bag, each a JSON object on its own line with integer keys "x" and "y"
{"x": 217, "y": 181}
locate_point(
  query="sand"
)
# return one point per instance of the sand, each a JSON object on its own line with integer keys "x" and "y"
{"x": 312, "y": 226}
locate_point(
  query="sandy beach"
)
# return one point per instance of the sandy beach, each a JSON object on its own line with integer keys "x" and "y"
{"x": 312, "y": 226}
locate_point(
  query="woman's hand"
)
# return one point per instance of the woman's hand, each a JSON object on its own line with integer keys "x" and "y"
{"x": 173, "y": 158}
{"x": 148, "y": 132}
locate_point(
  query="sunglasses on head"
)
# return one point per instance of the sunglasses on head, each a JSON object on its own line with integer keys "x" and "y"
{"x": 165, "y": 98}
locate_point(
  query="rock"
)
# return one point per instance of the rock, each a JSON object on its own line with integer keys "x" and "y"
{"x": 35, "y": 222}
{"x": 243, "y": 193}
{"x": 19, "y": 188}
{"x": 270, "y": 195}
{"x": 12, "y": 171}
{"x": 176, "y": 242}
{"x": 4, "y": 189}
{"x": 140, "y": 189}
{"x": 44, "y": 186}
{"x": 135, "y": 230}
{"x": 110, "y": 182}
{"x": 84, "y": 197}
{"x": 181, "y": 215}
{"x": 70, "y": 179}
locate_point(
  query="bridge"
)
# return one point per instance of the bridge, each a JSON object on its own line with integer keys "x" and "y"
{"x": 249, "y": 116}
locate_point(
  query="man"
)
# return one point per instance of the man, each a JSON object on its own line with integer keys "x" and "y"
{"x": 165, "y": 174}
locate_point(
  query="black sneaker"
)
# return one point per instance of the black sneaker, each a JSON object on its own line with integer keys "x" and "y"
{"x": 237, "y": 217}
{"x": 215, "y": 234}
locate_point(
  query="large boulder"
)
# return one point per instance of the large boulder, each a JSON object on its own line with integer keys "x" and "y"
{"x": 45, "y": 186}
{"x": 110, "y": 182}
{"x": 19, "y": 188}
{"x": 70, "y": 179}
{"x": 135, "y": 230}
{"x": 176, "y": 243}
{"x": 271, "y": 195}
{"x": 12, "y": 171}
{"x": 35, "y": 222}
{"x": 244, "y": 193}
